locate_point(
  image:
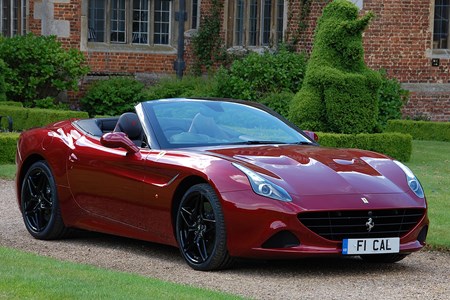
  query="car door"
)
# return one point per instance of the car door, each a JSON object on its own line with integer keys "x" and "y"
{"x": 107, "y": 182}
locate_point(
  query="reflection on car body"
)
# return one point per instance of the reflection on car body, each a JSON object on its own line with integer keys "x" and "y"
{"x": 219, "y": 179}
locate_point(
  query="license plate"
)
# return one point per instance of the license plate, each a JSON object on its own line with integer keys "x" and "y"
{"x": 370, "y": 246}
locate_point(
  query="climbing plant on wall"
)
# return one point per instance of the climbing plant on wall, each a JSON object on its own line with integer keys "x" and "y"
{"x": 207, "y": 43}
{"x": 302, "y": 24}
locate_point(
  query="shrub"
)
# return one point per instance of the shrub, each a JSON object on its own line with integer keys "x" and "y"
{"x": 26, "y": 118}
{"x": 38, "y": 67}
{"x": 50, "y": 103}
{"x": 395, "y": 145}
{"x": 3, "y": 71}
{"x": 421, "y": 130}
{"x": 419, "y": 116}
{"x": 114, "y": 96}
{"x": 8, "y": 142}
{"x": 279, "y": 102}
{"x": 189, "y": 86}
{"x": 339, "y": 93}
{"x": 391, "y": 98}
{"x": 257, "y": 75}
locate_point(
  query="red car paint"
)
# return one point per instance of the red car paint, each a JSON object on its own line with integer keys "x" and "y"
{"x": 120, "y": 192}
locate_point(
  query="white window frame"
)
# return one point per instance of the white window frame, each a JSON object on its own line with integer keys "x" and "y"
{"x": 18, "y": 13}
{"x": 142, "y": 34}
{"x": 438, "y": 44}
{"x": 91, "y": 34}
{"x": 241, "y": 35}
{"x": 170, "y": 22}
{"x": 192, "y": 9}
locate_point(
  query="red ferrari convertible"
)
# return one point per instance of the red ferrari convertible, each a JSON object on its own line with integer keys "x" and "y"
{"x": 219, "y": 179}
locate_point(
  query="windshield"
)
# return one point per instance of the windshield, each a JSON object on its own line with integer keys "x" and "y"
{"x": 191, "y": 123}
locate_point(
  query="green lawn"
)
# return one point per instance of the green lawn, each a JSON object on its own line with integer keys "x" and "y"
{"x": 430, "y": 162}
{"x": 7, "y": 171}
{"x": 28, "y": 276}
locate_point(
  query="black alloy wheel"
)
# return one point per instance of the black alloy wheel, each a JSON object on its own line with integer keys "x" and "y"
{"x": 39, "y": 203}
{"x": 200, "y": 229}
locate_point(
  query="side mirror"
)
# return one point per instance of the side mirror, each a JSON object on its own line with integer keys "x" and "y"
{"x": 312, "y": 135}
{"x": 118, "y": 140}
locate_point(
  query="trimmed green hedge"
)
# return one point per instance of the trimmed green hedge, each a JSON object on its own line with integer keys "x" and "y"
{"x": 25, "y": 118}
{"x": 395, "y": 145}
{"x": 11, "y": 103}
{"x": 8, "y": 142}
{"x": 421, "y": 130}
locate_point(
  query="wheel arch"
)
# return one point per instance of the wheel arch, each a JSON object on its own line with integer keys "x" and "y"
{"x": 27, "y": 163}
{"x": 39, "y": 201}
{"x": 182, "y": 188}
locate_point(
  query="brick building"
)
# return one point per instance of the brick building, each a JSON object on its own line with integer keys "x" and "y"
{"x": 408, "y": 38}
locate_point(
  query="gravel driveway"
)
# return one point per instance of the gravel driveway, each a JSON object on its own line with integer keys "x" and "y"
{"x": 422, "y": 275}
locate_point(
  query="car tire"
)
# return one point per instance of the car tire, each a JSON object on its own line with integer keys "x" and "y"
{"x": 200, "y": 229}
{"x": 384, "y": 258}
{"x": 39, "y": 203}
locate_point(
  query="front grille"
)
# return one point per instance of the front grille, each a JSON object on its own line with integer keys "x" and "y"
{"x": 338, "y": 225}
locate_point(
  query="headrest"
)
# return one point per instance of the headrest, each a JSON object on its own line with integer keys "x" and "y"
{"x": 130, "y": 124}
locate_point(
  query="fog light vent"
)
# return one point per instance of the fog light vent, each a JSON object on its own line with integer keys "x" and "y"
{"x": 423, "y": 235}
{"x": 282, "y": 239}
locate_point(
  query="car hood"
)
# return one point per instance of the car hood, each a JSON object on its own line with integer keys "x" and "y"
{"x": 312, "y": 170}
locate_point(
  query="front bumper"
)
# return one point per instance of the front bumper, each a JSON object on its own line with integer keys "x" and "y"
{"x": 258, "y": 227}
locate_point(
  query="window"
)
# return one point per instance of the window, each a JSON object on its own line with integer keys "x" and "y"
{"x": 140, "y": 22}
{"x": 441, "y": 24}
{"x": 13, "y": 17}
{"x": 145, "y": 22}
{"x": 195, "y": 13}
{"x": 162, "y": 22}
{"x": 118, "y": 33}
{"x": 280, "y": 20}
{"x": 239, "y": 26}
{"x": 257, "y": 22}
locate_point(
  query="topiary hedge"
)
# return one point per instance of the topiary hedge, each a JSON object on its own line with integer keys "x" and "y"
{"x": 25, "y": 118}
{"x": 395, "y": 145}
{"x": 339, "y": 93}
{"x": 421, "y": 130}
{"x": 8, "y": 142}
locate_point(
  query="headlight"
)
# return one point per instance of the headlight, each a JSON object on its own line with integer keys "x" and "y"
{"x": 264, "y": 187}
{"x": 413, "y": 182}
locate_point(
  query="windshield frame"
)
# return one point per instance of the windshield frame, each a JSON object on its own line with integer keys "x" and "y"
{"x": 158, "y": 139}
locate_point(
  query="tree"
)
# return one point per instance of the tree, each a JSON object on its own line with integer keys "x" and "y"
{"x": 39, "y": 67}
